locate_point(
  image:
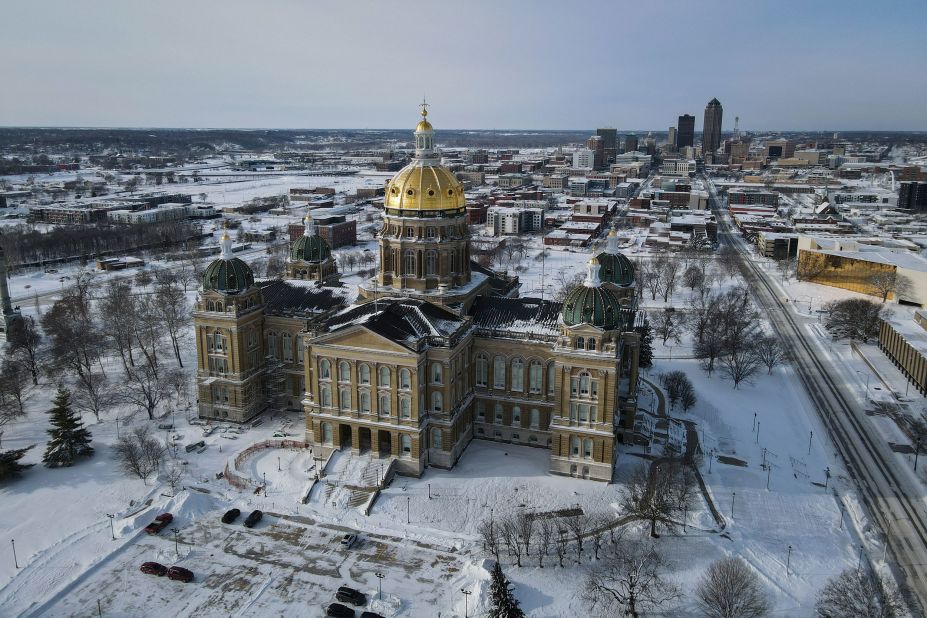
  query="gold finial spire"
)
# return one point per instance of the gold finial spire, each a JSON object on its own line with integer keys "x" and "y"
{"x": 424, "y": 106}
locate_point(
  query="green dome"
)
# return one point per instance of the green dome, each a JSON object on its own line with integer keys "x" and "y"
{"x": 616, "y": 268}
{"x": 228, "y": 275}
{"x": 597, "y": 306}
{"x": 310, "y": 249}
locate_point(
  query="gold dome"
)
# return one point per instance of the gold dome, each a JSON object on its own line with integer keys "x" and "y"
{"x": 425, "y": 187}
{"x": 424, "y": 125}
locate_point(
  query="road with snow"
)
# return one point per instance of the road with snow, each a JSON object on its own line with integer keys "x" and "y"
{"x": 892, "y": 495}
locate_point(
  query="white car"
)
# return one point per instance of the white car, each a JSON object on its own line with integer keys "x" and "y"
{"x": 348, "y": 540}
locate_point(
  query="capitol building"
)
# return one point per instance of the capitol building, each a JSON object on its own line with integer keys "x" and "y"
{"x": 431, "y": 353}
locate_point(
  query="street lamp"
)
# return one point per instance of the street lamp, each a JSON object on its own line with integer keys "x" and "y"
{"x": 788, "y": 561}
{"x": 733, "y": 494}
{"x": 466, "y": 594}
{"x": 15, "y": 562}
{"x": 380, "y": 577}
{"x": 176, "y": 546}
{"x": 112, "y": 527}
{"x": 408, "y": 510}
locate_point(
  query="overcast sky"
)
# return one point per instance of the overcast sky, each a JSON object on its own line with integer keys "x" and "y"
{"x": 496, "y": 64}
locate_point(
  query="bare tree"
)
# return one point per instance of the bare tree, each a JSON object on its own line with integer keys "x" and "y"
{"x": 693, "y": 277}
{"x": 116, "y": 309}
{"x": 668, "y": 325}
{"x": 526, "y": 528}
{"x": 855, "y": 593}
{"x": 652, "y": 276}
{"x": 565, "y": 283}
{"x": 26, "y": 346}
{"x": 883, "y": 282}
{"x": 147, "y": 388}
{"x": 139, "y": 453}
{"x": 14, "y": 382}
{"x": 811, "y": 265}
{"x": 508, "y": 530}
{"x": 546, "y": 531}
{"x": 173, "y": 475}
{"x": 740, "y": 365}
{"x": 174, "y": 313}
{"x": 770, "y": 352}
{"x": 786, "y": 268}
{"x": 731, "y": 589}
{"x": 578, "y": 525}
{"x": 95, "y": 394}
{"x": 675, "y": 383}
{"x": 853, "y": 318}
{"x": 728, "y": 260}
{"x": 669, "y": 277}
{"x": 147, "y": 329}
{"x": 489, "y": 533}
{"x": 650, "y": 504}
{"x": 561, "y": 544}
{"x": 631, "y": 577}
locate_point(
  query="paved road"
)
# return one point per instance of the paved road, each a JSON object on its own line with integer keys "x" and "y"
{"x": 892, "y": 495}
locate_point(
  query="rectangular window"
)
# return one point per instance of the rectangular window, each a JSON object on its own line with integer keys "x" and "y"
{"x": 574, "y": 387}
{"x": 595, "y": 389}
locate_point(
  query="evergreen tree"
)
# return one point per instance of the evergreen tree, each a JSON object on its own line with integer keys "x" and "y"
{"x": 504, "y": 603}
{"x": 646, "y": 354}
{"x": 69, "y": 439}
{"x": 9, "y": 463}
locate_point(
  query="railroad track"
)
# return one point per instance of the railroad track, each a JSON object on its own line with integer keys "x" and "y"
{"x": 893, "y": 503}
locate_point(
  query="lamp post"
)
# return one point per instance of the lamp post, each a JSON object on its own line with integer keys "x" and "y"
{"x": 788, "y": 561}
{"x": 429, "y": 491}
{"x": 757, "y": 432}
{"x": 466, "y": 594}
{"x": 279, "y": 469}
{"x": 15, "y": 562}
{"x": 380, "y": 577}
{"x": 859, "y": 561}
{"x": 112, "y": 527}
{"x": 810, "y": 436}
{"x": 733, "y": 494}
{"x": 826, "y": 477}
{"x": 711, "y": 455}
{"x": 768, "y": 470}
{"x": 408, "y": 510}
{"x": 176, "y": 546}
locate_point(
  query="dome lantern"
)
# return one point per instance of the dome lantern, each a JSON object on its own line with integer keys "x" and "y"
{"x": 227, "y": 274}
{"x": 592, "y": 274}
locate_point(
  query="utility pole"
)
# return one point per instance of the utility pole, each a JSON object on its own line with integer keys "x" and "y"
{"x": 788, "y": 561}
{"x": 112, "y": 527}
{"x": 15, "y": 562}
{"x": 380, "y": 577}
{"x": 408, "y": 510}
{"x": 768, "y": 470}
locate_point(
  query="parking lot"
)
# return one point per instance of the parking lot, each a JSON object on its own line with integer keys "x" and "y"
{"x": 280, "y": 564}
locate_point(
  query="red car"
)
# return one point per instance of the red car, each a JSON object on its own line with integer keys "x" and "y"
{"x": 180, "y": 574}
{"x": 154, "y": 568}
{"x": 160, "y": 523}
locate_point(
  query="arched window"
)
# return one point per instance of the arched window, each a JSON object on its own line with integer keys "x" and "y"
{"x": 516, "y": 416}
{"x": 535, "y": 417}
{"x": 326, "y": 432}
{"x": 498, "y": 372}
{"x": 383, "y": 408}
{"x": 590, "y": 345}
{"x": 518, "y": 375}
{"x": 580, "y": 343}
{"x": 344, "y": 398}
{"x": 210, "y": 305}
{"x": 364, "y": 398}
{"x": 384, "y": 376}
{"x": 287, "y": 344}
{"x": 574, "y": 446}
{"x": 325, "y": 395}
{"x": 584, "y": 384}
{"x": 587, "y": 448}
{"x": 431, "y": 263}
{"x": 363, "y": 373}
{"x": 272, "y": 345}
{"x": 405, "y": 443}
{"x": 482, "y": 370}
{"x": 436, "y": 438}
{"x": 436, "y": 373}
{"x": 498, "y": 413}
{"x": 535, "y": 377}
{"x": 437, "y": 401}
{"x": 551, "y": 378}
{"x": 405, "y": 407}
{"x": 410, "y": 263}
{"x": 405, "y": 379}
{"x": 325, "y": 370}
{"x": 344, "y": 371}
{"x": 452, "y": 261}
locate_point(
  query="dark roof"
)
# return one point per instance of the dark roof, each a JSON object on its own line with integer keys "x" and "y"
{"x": 595, "y": 305}
{"x": 500, "y": 286}
{"x": 517, "y": 315}
{"x": 616, "y": 268}
{"x": 288, "y": 297}
{"x": 312, "y": 249}
{"x": 408, "y": 322}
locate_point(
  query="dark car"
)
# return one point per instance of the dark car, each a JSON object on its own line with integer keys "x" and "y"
{"x": 153, "y": 568}
{"x": 160, "y": 523}
{"x": 230, "y": 516}
{"x": 253, "y": 518}
{"x": 350, "y": 595}
{"x": 370, "y": 615}
{"x": 337, "y": 610}
{"x": 180, "y": 574}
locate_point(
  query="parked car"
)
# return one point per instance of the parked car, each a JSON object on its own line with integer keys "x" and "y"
{"x": 160, "y": 523}
{"x": 253, "y": 518}
{"x": 165, "y": 425}
{"x": 230, "y": 516}
{"x": 180, "y": 574}
{"x": 153, "y": 568}
{"x": 348, "y": 540}
{"x": 370, "y": 615}
{"x": 337, "y": 610}
{"x": 350, "y": 595}
{"x": 195, "y": 445}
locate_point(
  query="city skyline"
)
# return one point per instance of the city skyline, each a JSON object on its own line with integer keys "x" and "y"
{"x": 548, "y": 67}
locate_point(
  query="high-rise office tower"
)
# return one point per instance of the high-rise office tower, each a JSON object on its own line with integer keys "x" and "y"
{"x": 671, "y": 139}
{"x": 711, "y": 130}
{"x": 630, "y": 143}
{"x": 597, "y": 145}
{"x": 685, "y": 134}
{"x": 610, "y": 139}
